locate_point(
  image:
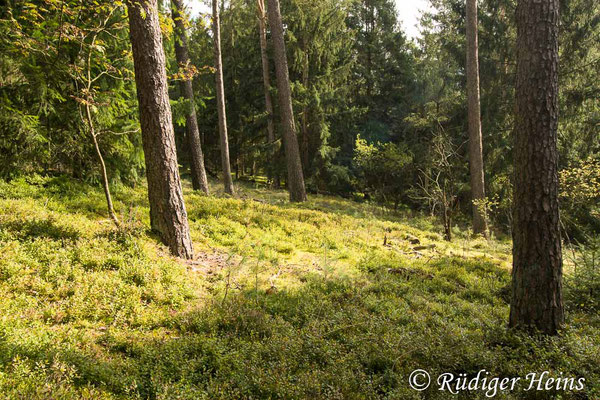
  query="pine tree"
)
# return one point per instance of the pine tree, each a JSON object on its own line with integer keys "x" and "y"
{"x": 537, "y": 254}
{"x": 295, "y": 180}
{"x": 168, "y": 216}
{"x": 474, "y": 111}
{"x": 199, "y": 179}
{"x": 225, "y": 164}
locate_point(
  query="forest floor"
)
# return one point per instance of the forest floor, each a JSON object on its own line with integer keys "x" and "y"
{"x": 330, "y": 299}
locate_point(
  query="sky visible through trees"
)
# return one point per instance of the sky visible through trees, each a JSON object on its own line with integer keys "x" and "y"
{"x": 409, "y": 12}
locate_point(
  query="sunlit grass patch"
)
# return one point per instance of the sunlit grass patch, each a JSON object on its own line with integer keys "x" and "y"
{"x": 328, "y": 299}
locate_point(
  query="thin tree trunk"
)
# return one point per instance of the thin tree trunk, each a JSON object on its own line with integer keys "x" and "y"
{"x": 537, "y": 254}
{"x": 370, "y": 29}
{"x": 295, "y": 181}
{"x": 94, "y": 134}
{"x": 262, "y": 27}
{"x": 168, "y": 216}
{"x": 227, "y": 180}
{"x": 474, "y": 111}
{"x": 305, "y": 82}
{"x": 199, "y": 179}
{"x": 105, "y": 186}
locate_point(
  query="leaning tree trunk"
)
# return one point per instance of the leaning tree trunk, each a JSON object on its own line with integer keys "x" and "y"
{"x": 90, "y": 123}
{"x": 537, "y": 259}
{"x": 167, "y": 210}
{"x": 105, "y": 184}
{"x": 199, "y": 179}
{"x": 227, "y": 180}
{"x": 295, "y": 181}
{"x": 474, "y": 111}
{"x": 262, "y": 27}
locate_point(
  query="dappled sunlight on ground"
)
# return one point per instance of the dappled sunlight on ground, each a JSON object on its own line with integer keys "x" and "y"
{"x": 327, "y": 299}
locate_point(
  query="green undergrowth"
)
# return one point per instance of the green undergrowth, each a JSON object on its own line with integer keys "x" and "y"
{"x": 330, "y": 299}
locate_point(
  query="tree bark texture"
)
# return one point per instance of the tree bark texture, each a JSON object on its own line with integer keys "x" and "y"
{"x": 226, "y": 166}
{"x": 168, "y": 216}
{"x": 295, "y": 181}
{"x": 537, "y": 255}
{"x": 474, "y": 118}
{"x": 199, "y": 179}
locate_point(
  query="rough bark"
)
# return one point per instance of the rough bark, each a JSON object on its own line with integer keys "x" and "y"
{"x": 474, "y": 111}
{"x": 168, "y": 216}
{"x": 537, "y": 254}
{"x": 199, "y": 179}
{"x": 262, "y": 27}
{"x": 226, "y": 166}
{"x": 295, "y": 181}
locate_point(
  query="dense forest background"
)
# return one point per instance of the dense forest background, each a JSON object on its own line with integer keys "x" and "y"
{"x": 380, "y": 117}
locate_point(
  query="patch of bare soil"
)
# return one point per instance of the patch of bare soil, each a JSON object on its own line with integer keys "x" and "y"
{"x": 210, "y": 263}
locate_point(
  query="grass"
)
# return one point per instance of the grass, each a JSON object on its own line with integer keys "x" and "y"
{"x": 283, "y": 301}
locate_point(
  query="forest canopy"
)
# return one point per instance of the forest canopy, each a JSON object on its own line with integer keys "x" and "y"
{"x": 354, "y": 74}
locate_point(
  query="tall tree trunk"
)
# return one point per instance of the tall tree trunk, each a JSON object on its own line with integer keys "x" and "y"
{"x": 262, "y": 27}
{"x": 199, "y": 179}
{"x": 226, "y": 167}
{"x": 295, "y": 181}
{"x": 537, "y": 255}
{"x": 168, "y": 216}
{"x": 370, "y": 27}
{"x": 305, "y": 83}
{"x": 475, "y": 139}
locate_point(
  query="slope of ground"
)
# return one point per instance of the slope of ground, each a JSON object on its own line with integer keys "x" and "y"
{"x": 325, "y": 300}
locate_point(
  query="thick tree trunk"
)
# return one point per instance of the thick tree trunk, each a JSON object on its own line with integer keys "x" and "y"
{"x": 475, "y": 139}
{"x": 227, "y": 180}
{"x": 262, "y": 27}
{"x": 168, "y": 216}
{"x": 199, "y": 179}
{"x": 295, "y": 181}
{"x": 537, "y": 258}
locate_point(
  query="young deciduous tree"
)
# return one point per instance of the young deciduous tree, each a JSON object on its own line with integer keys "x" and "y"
{"x": 226, "y": 166}
{"x": 474, "y": 111}
{"x": 295, "y": 181}
{"x": 199, "y": 180}
{"x": 168, "y": 216}
{"x": 86, "y": 79}
{"x": 537, "y": 254}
